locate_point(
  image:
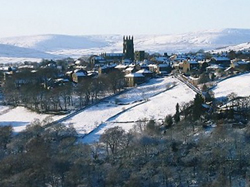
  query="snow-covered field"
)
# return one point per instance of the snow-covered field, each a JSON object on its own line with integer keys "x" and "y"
{"x": 152, "y": 100}
{"x": 155, "y": 99}
{"x": 20, "y": 117}
{"x": 90, "y": 118}
{"x": 239, "y": 85}
{"x": 159, "y": 106}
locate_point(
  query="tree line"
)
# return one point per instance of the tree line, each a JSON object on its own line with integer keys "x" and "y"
{"x": 33, "y": 90}
{"x": 179, "y": 151}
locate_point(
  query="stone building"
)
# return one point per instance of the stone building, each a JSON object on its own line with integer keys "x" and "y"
{"x": 128, "y": 48}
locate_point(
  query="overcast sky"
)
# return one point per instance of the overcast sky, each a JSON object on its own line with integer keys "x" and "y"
{"x": 81, "y": 17}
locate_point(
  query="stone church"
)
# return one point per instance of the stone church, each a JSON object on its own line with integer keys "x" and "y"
{"x": 128, "y": 48}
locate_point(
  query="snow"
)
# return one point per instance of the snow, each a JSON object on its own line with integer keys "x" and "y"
{"x": 134, "y": 75}
{"x": 52, "y": 46}
{"x": 214, "y": 66}
{"x": 15, "y": 60}
{"x": 240, "y": 47}
{"x": 90, "y": 118}
{"x": 20, "y": 117}
{"x": 154, "y": 99}
{"x": 221, "y": 58}
{"x": 144, "y": 71}
{"x": 121, "y": 66}
{"x": 21, "y": 52}
{"x": 3, "y": 109}
{"x": 159, "y": 106}
{"x": 238, "y": 84}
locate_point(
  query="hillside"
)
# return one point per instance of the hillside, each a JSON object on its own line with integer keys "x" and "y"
{"x": 239, "y": 47}
{"x": 151, "y": 100}
{"x": 21, "y": 52}
{"x": 238, "y": 85}
{"x": 76, "y": 46}
{"x": 154, "y": 99}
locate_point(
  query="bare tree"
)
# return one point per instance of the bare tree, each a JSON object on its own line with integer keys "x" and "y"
{"x": 113, "y": 139}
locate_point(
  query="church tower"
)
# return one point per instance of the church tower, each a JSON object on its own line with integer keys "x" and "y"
{"x": 128, "y": 47}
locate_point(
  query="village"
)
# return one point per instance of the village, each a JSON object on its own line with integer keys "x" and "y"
{"x": 127, "y": 69}
{"x": 156, "y": 107}
{"x": 124, "y": 93}
{"x": 137, "y": 66}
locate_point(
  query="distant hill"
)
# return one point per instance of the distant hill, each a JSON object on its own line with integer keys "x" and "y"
{"x": 21, "y": 52}
{"x": 42, "y": 46}
{"x": 239, "y": 47}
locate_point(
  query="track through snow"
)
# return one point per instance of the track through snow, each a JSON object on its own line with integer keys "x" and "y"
{"x": 154, "y": 99}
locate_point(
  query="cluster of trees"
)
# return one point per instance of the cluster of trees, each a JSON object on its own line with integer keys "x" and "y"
{"x": 31, "y": 89}
{"x": 180, "y": 151}
{"x": 239, "y": 55}
{"x": 145, "y": 156}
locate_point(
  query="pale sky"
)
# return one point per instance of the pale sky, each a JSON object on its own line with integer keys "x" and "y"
{"x": 82, "y": 17}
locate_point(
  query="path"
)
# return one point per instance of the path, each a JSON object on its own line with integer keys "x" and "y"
{"x": 85, "y": 107}
{"x": 190, "y": 85}
{"x": 92, "y": 135}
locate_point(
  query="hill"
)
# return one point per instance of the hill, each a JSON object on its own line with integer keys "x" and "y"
{"x": 239, "y": 47}
{"x": 238, "y": 85}
{"x": 76, "y": 46}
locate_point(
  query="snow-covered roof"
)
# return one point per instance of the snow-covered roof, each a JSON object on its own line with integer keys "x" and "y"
{"x": 4, "y": 68}
{"x": 78, "y": 62}
{"x": 129, "y": 69}
{"x": 241, "y": 63}
{"x": 163, "y": 72}
{"x": 144, "y": 71}
{"x": 108, "y": 66}
{"x": 229, "y": 68}
{"x": 176, "y": 64}
{"x": 152, "y": 65}
{"x": 131, "y": 65}
{"x": 193, "y": 78}
{"x": 163, "y": 65}
{"x": 221, "y": 58}
{"x": 62, "y": 79}
{"x": 26, "y": 66}
{"x": 134, "y": 75}
{"x": 80, "y": 67}
{"x": 214, "y": 66}
{"x": 68, "y": 72}
{"x": 81, "y": 74}
{"x": 121, "y": 66}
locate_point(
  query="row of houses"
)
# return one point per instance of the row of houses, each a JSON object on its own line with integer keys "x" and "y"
{"x": 216, "y": 63}
{"x": 136, "y": 72}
